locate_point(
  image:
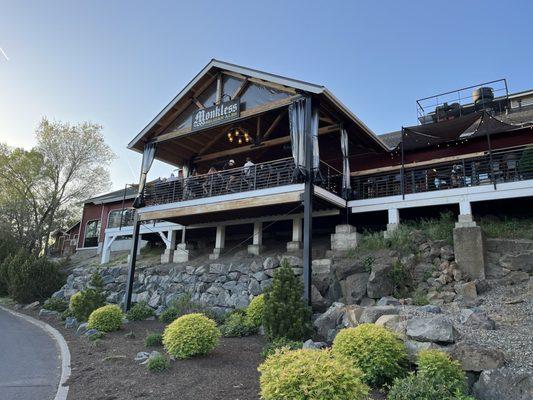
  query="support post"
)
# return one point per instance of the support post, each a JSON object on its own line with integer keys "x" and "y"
{"x": 257, "y": 241}
{"x": 132, "y": 261}
{"x": 296, "y": 243}
{"x": 308, "y": 205}
{"x": 170, "y": 242}
{"x": 220, "y": 241}
{"x": 393, "y": 222}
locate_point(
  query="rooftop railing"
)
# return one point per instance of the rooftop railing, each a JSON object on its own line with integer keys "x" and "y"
{"x": 488, "y": 169}
{"x": 242, "y": 179}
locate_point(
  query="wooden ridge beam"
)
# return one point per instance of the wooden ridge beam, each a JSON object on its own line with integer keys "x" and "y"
{"x": 245, "y": 114}
{"x": 273, "y": 125}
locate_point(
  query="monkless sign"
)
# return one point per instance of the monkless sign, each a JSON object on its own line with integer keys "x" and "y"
{"x": 215, "y": 115}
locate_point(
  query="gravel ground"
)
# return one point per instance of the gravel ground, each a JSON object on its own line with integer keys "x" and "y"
{"x": 512, "y": 310}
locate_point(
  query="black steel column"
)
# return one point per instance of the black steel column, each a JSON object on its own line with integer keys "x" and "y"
{"x": 132, "y": 261}
{"x": 308, "y": 204}
{"x": 402, "y": 171}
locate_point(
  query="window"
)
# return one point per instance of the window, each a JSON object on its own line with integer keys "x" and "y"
{"x": 92, "y": 232}
{"x": 114, "y": 217}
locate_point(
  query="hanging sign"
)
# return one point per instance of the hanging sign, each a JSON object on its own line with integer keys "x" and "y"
{"x": 210, "y": 116}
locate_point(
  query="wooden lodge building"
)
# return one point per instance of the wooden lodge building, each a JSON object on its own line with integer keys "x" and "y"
{"x": 255, "y": 148}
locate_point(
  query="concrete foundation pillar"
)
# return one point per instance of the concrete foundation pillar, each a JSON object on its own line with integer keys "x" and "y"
{"x": 297, "y": 235}
{"x": 394, "y": 222}
{"x": 468, "y": 244}
{"x": 182, "y": 253}
{"x": 257, "y": 245}
{"x": 168, "y": 255}
{"x": 220, "y": 241}
{"x": 345, "y": 238}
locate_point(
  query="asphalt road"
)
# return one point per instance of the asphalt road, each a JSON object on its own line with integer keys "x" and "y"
{"x": 30, "y": 364}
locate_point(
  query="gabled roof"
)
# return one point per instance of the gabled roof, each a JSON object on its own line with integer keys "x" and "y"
{"x": 117, "y": 195}
{"x": 265, "y": 76}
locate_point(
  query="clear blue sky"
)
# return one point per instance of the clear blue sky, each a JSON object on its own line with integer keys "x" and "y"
{"x": 120, "y": 62}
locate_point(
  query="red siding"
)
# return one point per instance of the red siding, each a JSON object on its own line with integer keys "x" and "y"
{"x": 99, "y": 212}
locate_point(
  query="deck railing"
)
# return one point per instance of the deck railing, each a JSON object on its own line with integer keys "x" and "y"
{"x": 259, "y": 176}
{"x": 488, "y": 169}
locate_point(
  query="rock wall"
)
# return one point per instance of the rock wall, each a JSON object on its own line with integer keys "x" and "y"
{"x": 508, "y": 257}
{"x": 222, "y": 285}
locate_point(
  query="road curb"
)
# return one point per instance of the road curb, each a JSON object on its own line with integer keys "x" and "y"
{"x": 62, "y": 389}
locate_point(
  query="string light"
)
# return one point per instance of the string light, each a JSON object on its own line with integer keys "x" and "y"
{"x": 239, "y": 135}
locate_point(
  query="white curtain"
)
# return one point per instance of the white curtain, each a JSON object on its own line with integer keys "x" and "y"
{"x": 148, "y": 159}
{"x": 346, "y": 184}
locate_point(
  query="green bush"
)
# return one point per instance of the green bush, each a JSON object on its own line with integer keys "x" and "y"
{"x": 420, "y": 298}
{"x": 441, "y": 370}
{"x": 29, "y": 278}
{"x": 83, "y": 303}
{"x": 525, "y": 165}
{"x": 285, "y": 313}
{"x": 154, "y": 340}
{"x": 169, "y": 315}
{"x": 415, "y": 387}
{"x": 55, "y": 304}
{"x": 106, "y": 319}
{"x": 157, "y": 364}
{"x": 254, "y": 311}
{"x": 191, "y": 335}
{"x": 378, "y": 352}
{"x": 140, "y": 312}
{"x": 310, "y": 375}
{"x": 280, "y": 343}
{"x": 236, "y": 324}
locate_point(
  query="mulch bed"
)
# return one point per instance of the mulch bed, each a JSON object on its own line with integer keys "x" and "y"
{"x": 107, "y": 371}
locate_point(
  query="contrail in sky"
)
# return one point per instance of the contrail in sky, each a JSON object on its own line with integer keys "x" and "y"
{"x": 4, "y": 53}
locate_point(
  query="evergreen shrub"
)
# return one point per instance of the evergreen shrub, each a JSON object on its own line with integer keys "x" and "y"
{"x": 154, "y": 340}
{"x": 254, "y": 311}
{"x": 157, "y": 364}
{"x": 415, "y": 387}
{"x": 285, "y": 312}
{"x": 236, "y": 324}
{"x": 140, "y": 312}
{"x": 191, "y": 335}
{"x": 83, "y": 303}
{"x": 55, "y": 304}
{"x": 378, "y": 352}
{"x": 310, "y": 375}
{"x": 106, "y": 319}
{"x": 442, "y": 370}
{"x": 278, "y": 344}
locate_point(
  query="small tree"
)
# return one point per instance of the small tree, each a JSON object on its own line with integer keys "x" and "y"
{"x": 526, "y": 163}
{"x": 285, "y": 313}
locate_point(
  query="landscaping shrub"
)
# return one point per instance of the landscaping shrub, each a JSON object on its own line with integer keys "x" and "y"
{"x": 140, "y": 312}
{"x": 441, "y": 370}
{"x": 55, "y": 304}
{"x": 106, "y": 319}
{"x": 254, "y": 311}
{"x": 157, "y": 364}
{"x": 378, "y": 352}
{"x": 280, "y": 343}
{"x": 310, "y": 375}
{"x": 525, "y": 165}
{"x": 285, "y": 313}
{"x": 419, "y": 298}
{"x": 236, "y": 324}
{"x": 29, "y": 278}
{"x": 415, "y": 387}
{"x": 169, "y": 315}
{"x": 85, "y": 302}
{"x": 154, "y": 340}
{"x": 191, "y": 335}
{"x": 4, "y": 277}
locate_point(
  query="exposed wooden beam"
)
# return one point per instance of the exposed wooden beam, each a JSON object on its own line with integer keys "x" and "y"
{"x": 219, "y": 89}
{"x": 240, "y": 89}
{"x": 244, "y": 114}
{"x": 198, "y": 103}
{"x": 211, "y": 142}
{"x": 258, "y": 137}
{"x": 263, "y": 145}
{"x": 273, "y": 125}
{"x": 269, "y": 84}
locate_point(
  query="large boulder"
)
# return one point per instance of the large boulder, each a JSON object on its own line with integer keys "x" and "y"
{"x": 380, "y": 283}
{"x": 352, "y": 316}
{"x": 438, "y": 329}
{"x": 330, "y": 320}
{"x": 518, "y": 262}
{"x": 371, "y": 314}
{"x": 477, "y": 358}
{"x": 354, "y": 287}
{"x": 414, "y": 347}
{"x": 476, "y": 319}
{"x": 504, "y": 383}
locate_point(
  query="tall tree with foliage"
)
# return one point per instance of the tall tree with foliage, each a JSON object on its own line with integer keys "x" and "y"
{"x": 38, "y": 187}
{"x": 285, "y": 313}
